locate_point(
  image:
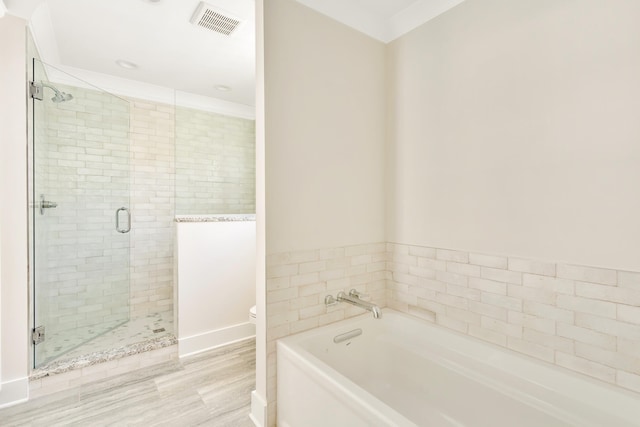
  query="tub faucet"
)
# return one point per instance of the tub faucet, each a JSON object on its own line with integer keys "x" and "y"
{"x": 353, "y": 298}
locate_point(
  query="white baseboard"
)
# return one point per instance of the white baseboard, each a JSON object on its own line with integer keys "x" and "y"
{"x": 258, "y": 410}
{"x": 14, "y": 392}
{"x": 188, "y": 346}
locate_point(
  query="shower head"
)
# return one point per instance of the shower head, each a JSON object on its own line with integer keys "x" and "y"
{"x": 59, "y": 96}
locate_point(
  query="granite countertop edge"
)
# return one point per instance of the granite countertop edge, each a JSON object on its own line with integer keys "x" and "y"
{"x": 215, "y": 218}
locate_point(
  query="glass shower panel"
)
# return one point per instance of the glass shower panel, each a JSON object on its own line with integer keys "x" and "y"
{"x": 80, "y": 213}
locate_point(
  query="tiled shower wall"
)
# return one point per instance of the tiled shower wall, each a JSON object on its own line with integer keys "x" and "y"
{"x": 215, "y": 163}
{"x": 131, "y": 157}
{"x": 581, "y": 318}
{"x": 183, "y": 161}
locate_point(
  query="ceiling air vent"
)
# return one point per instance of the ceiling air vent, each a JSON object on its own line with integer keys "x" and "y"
{"x": 214, "y": 19}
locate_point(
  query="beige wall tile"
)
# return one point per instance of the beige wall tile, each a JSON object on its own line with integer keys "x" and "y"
{"x": 587, "y": 274}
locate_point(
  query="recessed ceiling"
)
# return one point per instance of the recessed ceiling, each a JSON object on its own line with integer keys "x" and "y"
{"x": 159, "y": 38}
{"x": 169, "y": 51}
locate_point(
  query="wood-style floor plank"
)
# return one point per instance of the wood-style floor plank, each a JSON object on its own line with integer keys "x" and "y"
{"x": 208, "y": 389}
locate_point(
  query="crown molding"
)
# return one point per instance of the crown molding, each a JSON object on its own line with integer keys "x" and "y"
{"x": 415, "y": 15}
{"x": 382, "y": 28}
{"x": 352, "y": 15}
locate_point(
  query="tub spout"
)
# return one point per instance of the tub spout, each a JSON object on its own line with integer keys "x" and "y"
{"x": 353, "y": 298}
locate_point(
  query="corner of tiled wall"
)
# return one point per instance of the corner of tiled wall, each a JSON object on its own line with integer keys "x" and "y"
{"x": 297, "y": 283}
{"x": 187, "y": 161}
{"x": 152, "y": 132}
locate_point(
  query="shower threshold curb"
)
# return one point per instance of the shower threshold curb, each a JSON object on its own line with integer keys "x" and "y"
{"x": 62, "y": 366}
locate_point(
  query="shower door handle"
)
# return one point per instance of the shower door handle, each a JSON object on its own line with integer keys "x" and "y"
{"x": 123, "y": 230}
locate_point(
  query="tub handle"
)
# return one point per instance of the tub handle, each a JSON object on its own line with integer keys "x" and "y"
{"x": 347, "y": 335}
{"x": 330, "y": 300}
{"x": 356, "y": 294}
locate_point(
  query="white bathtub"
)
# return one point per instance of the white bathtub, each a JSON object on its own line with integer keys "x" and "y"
{"x": 401, "y": 371}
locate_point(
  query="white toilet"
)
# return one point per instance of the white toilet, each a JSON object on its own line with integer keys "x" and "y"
{"x": 252, "y": 315}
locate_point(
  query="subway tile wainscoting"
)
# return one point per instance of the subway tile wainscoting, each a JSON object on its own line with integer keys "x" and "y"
{"x": 582, "y": 318}
{"x": 297, "y": 283}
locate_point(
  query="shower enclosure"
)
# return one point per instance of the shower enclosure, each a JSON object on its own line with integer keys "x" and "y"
{"x": 79, "y": 215}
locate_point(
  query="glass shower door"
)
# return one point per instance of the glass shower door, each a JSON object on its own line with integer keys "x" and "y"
{"x": 80, "y": 220}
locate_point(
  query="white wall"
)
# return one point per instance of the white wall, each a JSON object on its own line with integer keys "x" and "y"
{"x": 259, "y": 395}
{"x": 514, "y": 130}
{"x": 511, "y": 130}
{"x": 216, "y": 283}
{"x": 324, "y": 131}
{"x": 324, "y": 161}
{"x": 13, "y": 211}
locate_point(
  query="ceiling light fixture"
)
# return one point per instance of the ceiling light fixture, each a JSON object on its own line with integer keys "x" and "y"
{"x": 223, "y": 88}
{"x": 127, "y": 64}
